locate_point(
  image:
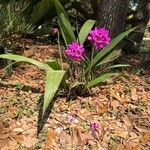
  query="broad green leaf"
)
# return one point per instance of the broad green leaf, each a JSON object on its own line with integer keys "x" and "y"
{"x": 53, "y": 64}
{"x": 108, "y": 48}
{"x": 60, "y": 9}
{"x": 53, "y": 80}
{"x": 63, "y": 35}
{"x": 110, "y": 57}
{"x": 66, "y": 29}
{"x": 42, "y": 11}
{"x": 84, "y": 31}
{"x": 100, "y": 79}
{"x": 19, "y": 58}
{"x": 64, "y": 23}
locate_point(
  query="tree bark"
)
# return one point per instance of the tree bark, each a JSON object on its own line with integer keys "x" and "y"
{"x": 94, "y": 5}
{"x": 112, "y": 15}
{"x": 141, "y": 18}
{"x": 143, "y": 14}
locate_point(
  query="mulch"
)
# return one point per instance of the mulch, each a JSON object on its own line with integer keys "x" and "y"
{"x": 120, "y": 108}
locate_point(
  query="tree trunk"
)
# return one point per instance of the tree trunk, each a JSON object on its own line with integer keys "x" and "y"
{"x": 112, "y": 15}
{"x": 140, "y": 18}
{"x": 143, "y": 14}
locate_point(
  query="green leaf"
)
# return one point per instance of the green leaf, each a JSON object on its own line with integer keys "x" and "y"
{"x": 63, "y": 35}
{"x": 41, "y": 11}
{"x": 117, "y": 66}
{"x": 53, "y": 80}
{"x": 84, "y": 31}
{"x": 19, "y": 58}
{"x": 64, "y": 23}
{"x": 110, "y": 57}
{"x": 60, "y": 9}
{"x": 100, "y": 79}
{"x": 53, "y": 64}
{"x": 66, "y": 29}
{"x": 108, "y": 48}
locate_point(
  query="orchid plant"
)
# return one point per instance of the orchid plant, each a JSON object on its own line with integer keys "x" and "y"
{"x": 76, "y": 53}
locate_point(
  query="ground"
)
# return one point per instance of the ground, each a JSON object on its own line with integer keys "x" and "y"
{"x": 119, "y": 108}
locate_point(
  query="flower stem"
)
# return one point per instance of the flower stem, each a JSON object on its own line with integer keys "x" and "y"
{"x": 89, "y": 77}
{"x": 60, "y": 53}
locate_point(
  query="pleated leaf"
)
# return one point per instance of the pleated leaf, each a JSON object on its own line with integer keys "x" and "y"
{"x": 110, "y": 57}
{"x": 85, "y": 30}
{"x": 43, "y": 11}
{"x": 64, "y": 23}
{"x": 19, "y": 58}
{"x": 53, "y": 64}
{"x": 100, "y": 79}
{"x": 53, "y": 80}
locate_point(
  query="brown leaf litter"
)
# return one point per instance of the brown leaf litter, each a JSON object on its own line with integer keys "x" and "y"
{"x": 121, "y": 110}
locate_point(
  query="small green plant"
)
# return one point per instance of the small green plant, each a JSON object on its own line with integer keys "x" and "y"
{"x": 13, "y": 21}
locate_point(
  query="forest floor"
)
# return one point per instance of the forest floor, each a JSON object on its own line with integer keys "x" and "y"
{"x": 120, "y": 110}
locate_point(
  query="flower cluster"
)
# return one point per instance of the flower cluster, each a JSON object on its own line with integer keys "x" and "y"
{"x": 75, "y": 51}
{"x": 99, "y": 37}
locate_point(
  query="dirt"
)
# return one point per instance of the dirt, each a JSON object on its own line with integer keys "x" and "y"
{"x": 120, "y": 109}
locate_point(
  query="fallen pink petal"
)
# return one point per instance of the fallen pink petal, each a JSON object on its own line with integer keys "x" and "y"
{"x": 94, "y": 126}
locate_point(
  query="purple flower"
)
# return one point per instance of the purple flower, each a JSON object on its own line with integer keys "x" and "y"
{"x": 55, "y": 30}
{"x": 75, "y": 51}
{"x": 94, "y": 126}
{"x": 99, "y": 37}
